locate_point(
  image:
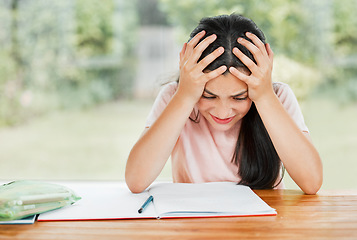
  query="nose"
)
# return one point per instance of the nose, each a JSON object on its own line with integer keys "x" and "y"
{"x": 223, "y": 109}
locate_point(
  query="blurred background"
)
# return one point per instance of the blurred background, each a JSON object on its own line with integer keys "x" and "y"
{"x": 78, "y": 78}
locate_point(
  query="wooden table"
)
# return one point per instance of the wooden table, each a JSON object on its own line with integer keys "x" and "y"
{"x": 328, "y": 215}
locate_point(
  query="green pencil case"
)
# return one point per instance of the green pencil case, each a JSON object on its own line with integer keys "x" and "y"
{"x": 20, "y": 199}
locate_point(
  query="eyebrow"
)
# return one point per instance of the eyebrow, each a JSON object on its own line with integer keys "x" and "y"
{"x": 236, "y": 95}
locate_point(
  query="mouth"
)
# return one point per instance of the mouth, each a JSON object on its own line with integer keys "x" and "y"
{"x": 222, "y": 121}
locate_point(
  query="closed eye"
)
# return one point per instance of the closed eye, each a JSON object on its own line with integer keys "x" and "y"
{"x": 208, "y": 97}
{"x": 240, "y": 99}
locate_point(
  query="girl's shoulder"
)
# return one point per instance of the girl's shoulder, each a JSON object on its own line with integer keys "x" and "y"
{"x": 168, "y": 89}
{"x": 171, "y": 85}
{"x": 281, "y": 87}
{"x": 290, "y": 103}
{"x": 283, "y": 91}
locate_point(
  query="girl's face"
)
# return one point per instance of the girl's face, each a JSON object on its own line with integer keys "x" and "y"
{"x": 224, "y": 101}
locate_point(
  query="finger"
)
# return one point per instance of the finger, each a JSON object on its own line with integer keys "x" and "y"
{"x": 258, "y": 55}
{"x": 269, "y": 51}
{"x": 192, "y": 44}
{"x": 245, "y": 59}
{"x": 240, "y": 75}
{"x": 193, "y": 41}
{"x": 183, "y": 50}
{"x": 198, "y": 50}
{"x": 182, "y": 53}
{"x": 210, "y": 58}
{"x": 257, "y": 42}
{"x": 215, "y": 73}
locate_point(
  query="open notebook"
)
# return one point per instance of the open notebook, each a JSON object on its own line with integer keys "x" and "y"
{"x": 171, "y": 200}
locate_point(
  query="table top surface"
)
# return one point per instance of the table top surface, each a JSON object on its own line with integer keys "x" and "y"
{"x": 327, "y": 215}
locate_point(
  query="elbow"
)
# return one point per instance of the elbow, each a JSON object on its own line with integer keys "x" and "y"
{"x": 313, "y": 186}
{"x": 134, "y": 183}
{"x": 311, "y": 190}
{"x": 134, "y": 188}
{"x": 314, "y": 182}
{"x": 139, "y": 175}
{"x": 133, "y": 178}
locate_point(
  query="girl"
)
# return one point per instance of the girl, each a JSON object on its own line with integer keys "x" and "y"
{"x": 224, "y": 119}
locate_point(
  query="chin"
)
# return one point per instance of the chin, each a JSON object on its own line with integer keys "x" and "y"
{"x": 222, "y": 127}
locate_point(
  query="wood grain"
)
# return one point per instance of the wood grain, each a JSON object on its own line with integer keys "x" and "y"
{"x": 327, "y": 215}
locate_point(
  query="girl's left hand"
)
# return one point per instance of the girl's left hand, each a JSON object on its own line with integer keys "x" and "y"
{"x": 259, "y": 81}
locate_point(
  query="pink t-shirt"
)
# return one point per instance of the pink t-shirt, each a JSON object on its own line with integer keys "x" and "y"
{"x": 203, "y": 154}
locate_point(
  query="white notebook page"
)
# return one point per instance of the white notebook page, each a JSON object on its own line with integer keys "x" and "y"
{"x": 223, "y": 198}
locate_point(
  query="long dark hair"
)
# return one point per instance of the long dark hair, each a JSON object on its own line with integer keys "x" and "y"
{"x": 259, "y": 163}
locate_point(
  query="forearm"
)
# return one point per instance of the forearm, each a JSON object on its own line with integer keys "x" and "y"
{"x": 150, "y": 153}
{"x": 295, "y": 149}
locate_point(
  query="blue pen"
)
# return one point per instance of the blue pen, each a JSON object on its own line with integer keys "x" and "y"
{"x": 150, "y": 199}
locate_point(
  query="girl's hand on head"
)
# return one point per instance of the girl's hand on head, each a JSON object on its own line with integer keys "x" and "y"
{"x": 192, "y": 78}
{"x": 259, "y": 81}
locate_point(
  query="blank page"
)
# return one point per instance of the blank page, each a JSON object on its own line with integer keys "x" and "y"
{"x": 102, "y": 200}
{"x": 207, "y": 199}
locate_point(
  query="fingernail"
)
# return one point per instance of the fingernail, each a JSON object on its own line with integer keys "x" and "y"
{"x": 240, "y": 40}
{"x": 220, "y": 49}
{"x": 235, "y": 50}
{"x": 231, "y": 69}
{"x": 248, "y": 34}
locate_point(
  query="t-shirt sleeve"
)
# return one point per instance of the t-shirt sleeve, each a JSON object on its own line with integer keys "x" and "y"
{"x": 290, "y": 103}
{"x": 161, "y": 102}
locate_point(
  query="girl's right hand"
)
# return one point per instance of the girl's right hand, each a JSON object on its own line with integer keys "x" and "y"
{"x": 192, "y": 79}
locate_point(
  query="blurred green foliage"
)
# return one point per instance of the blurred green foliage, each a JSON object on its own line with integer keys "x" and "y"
{"x": 342, "y": 77}
{"x": 64, "y": 54}
{"x": 282, "y": 21}
{"x": 78, "y": 53}
{"x": 94, "y": 27}
{"x": 345, "y": 27}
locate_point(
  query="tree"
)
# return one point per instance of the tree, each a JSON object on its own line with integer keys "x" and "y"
{"x": 63, "y": 54}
